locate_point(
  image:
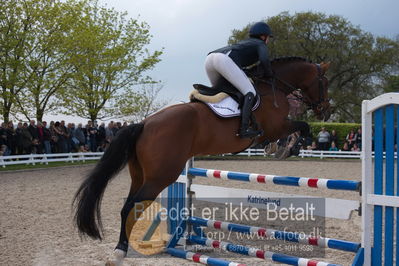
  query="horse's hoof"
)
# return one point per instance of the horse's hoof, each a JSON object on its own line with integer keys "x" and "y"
{"x": 119, "y": 255}
{"x": 271, "y": 148}
{"x": 283, "y": 153}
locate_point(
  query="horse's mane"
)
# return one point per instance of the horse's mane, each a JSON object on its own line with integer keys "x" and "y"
{"x": 290, "y": 59}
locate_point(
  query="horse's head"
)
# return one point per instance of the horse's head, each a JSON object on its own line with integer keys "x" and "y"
{"x": 304, "y": 80}
{"x": 315, "y": 91}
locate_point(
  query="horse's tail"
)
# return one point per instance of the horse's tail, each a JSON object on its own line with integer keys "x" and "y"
{"x": 87, "y": 200}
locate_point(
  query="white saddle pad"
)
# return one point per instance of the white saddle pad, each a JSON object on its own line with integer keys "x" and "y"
{"x": 228, "y": 107}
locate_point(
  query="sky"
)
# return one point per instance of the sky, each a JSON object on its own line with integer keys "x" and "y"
{"x": 188, "y": 30}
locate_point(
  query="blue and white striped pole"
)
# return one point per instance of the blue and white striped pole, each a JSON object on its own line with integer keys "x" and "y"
{"x": 196, "y": 257}
{"x": 275, "y": 234}
{"x": 278, "y": 180}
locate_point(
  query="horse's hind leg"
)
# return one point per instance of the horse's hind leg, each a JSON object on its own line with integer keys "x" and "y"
{"x": 137, "y": 182}
{"x": 129, "y": 215}
{"x": 153, "y": 184}
{"x": 123, "y": 243}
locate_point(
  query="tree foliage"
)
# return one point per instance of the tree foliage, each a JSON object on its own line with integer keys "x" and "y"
{"x": 47, "y": 65}
{"x": 16, "y": 22}
{"x": 109, "y": 59}
{"x": 71, "y": 56}
{"x": 361, "y": 62}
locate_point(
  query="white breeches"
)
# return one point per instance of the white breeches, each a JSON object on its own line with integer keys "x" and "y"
{"x": 219, "y": 64}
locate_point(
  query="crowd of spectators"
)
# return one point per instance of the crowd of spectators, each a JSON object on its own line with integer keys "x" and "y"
{"x": 56, "y": 137}
{"x": 326, "y": 141}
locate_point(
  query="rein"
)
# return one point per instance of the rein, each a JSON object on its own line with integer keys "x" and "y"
{"x": 288, "y": 88}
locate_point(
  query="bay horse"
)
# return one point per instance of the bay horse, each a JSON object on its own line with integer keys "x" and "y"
{"x": 156, "y": 150}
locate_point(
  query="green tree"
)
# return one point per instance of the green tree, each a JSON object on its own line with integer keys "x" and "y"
{"x": 109, "y": 59}
{"x": 391, "y": 84}
{"x": 359, "y": 60}
{"x": 17, "y": 19}
{"x": 46, "y": 63}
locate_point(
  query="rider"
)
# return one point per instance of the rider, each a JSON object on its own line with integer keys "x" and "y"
{"x": 229, "y": 61}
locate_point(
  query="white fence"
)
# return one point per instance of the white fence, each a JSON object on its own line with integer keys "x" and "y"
{"x": 310, "y": 153}
{"x": 33, "y": 159}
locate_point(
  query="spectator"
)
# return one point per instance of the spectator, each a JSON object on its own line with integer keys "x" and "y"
{"x": 92, "y": 132}
{"x": 33, "y": 131}
{"x": 62, "y": 137}
{"x": 19, "y": 139}
{"x": 75, "y": 141}
{"x": 313, "y": 146}
{"x": 79, "y": 135}
{"x": 358, "y": 138}
{"x": 3, "y": 134}
{"x": 54, "y": 137}
{"x": 118, "y": 126}
{"x": 333, "y": 147}
{"x": 46, "y": 138}
{"x": 59, "y": 139}
{"x": 11, "y": 138}
{"x": 114, "y": 128}
{"x": 70, "y": 143}
{"x": 27, "y": 139}
{"x": 355, "y": 147}
{"x": 109, "y": 133}
{"x": 308, "y": 141}
{"x": 334, "y": 138}
{"x": 4, "y": 151}
{"x": 346, "y": 147}
{"x": 351, "y": 138}
{"x": 40, "y": 131}
{"x": 101, "y": 135}
{"x": 323, "y": 139}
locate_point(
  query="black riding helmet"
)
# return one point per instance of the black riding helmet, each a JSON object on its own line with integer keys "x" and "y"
{"x": 260, "y": 28}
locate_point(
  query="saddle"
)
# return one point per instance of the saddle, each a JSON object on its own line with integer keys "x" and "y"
{"x": 221, "y": 90}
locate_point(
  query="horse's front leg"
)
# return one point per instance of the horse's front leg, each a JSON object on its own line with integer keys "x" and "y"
{"x": 288, "y": 141}
{"x": 301, "y": 126}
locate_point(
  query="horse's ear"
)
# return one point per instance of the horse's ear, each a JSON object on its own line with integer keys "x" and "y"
{"x": 324, "y": 66}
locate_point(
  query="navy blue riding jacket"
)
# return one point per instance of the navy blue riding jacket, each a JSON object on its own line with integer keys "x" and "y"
{"x": 248, "y": 52}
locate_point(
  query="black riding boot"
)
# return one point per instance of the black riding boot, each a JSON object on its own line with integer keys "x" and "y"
{"x": 246, "y": 112}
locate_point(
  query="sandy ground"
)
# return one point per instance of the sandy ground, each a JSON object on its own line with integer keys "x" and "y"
{"x": 36, "y": 218}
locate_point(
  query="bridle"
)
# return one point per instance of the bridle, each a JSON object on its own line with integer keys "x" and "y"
{"x": 322, "y": 99}
{"x": 288, "y": 88}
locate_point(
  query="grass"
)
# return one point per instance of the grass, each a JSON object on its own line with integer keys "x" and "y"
{"x": 44, "y": 166}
